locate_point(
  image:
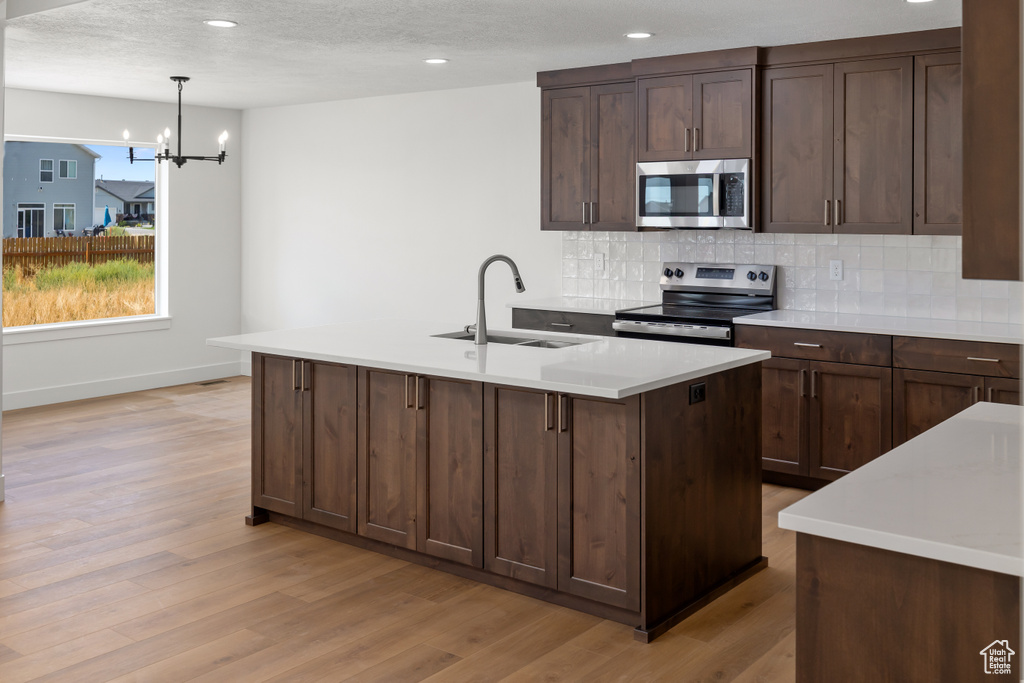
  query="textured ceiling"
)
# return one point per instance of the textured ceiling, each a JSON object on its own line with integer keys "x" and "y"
{"x": 297, "y": 51}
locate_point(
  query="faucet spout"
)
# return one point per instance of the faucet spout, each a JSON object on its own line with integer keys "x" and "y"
{"x": 481, "y": 317}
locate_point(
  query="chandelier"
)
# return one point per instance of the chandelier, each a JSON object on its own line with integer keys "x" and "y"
{"x": 164, "y": 141}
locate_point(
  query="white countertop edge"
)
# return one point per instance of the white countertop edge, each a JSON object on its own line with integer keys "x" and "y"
{"x": 933, "y": 550}
{"x": 889, "y": 325}
{"x": 598, "y": 392}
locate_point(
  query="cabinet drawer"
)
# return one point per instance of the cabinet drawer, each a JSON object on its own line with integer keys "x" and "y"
{"x": 989, "y": 359}
{"x": 836, "y": 347}
{"x": 558, "y": 321}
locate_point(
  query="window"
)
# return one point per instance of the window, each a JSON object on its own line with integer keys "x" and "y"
{"x": 68, "y": 169}
{"x": 30, "y": 220}
{"x": 63, "y": 217}
{"x": 46, "y": 170}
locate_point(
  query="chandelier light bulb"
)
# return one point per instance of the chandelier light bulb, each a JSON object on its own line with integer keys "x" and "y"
{"x": 167, "y": 133}
{"x": 159, "y": 139}
{"x": 125, "y": 135}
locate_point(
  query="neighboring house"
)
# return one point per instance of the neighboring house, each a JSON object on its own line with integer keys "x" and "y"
{"x": 124, "y": 198}
{"x": 48, "y": 187}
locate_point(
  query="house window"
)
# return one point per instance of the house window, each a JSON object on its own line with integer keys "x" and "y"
{"x": 63, "y": 217}
{"x": 68, "y": 169}
{"x": 46, "y": 170}
{"x": 30, "y": 220}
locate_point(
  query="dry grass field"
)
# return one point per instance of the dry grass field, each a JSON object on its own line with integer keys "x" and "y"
{"x": 78, "y": 292}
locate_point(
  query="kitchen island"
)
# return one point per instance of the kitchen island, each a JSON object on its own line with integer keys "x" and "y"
{"x": 911, "y": 566}
{"x": 615, "y": 476}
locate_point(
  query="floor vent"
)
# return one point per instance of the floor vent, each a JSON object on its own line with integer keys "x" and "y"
{"x": 212, "y": 382}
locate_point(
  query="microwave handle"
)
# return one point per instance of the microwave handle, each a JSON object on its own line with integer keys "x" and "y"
{"x": 716, "y": 184}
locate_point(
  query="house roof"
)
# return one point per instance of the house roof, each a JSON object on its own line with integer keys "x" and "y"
{"x": 88, "y": 151}
{"x": 128, "y": 190}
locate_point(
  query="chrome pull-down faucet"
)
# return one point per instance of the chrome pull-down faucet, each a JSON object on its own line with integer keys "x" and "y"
{"x": 481, "y": 318}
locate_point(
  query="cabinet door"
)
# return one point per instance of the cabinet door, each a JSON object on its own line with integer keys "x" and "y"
{"x": 923, "y": 399}
{"x": 329, "y": 458}
{"x": 450, "y": 523}
{"x": 874, "y": 138}
{"x": 565, "y": 159}
{"x": 387, "y": 457}
{"x": 796, "y": 185}
{"x": 851, "y": 417}
{"x": 613, "y": 156}
{"x": 666, "y": 118}
{"x": 520, "y": 492}
{"x": 1002, "y": 390}
{"x": 277, "y": 435}
{"x": 599, "y": 499}
{"x": 938, "y": 145}
{"x": 722, "y": 111}
{"x": 784, "y": 415}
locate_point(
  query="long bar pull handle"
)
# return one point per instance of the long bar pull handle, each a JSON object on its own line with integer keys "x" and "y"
{"x": 839, "y": 212}
{"x": 808, "y": 345}
{"x": 407, "y": 403}
{"x": 989, "y": 394}
{"x": 302, "y": 375}
{"x": 560, "y": 324}
{"x": 547, "y": 412}
{"x": 803, "y": 383}
{"x": 591, "y": 213}
{"x": 983, "y": 360}
{"x": 419, "y": 394}
{"x": 828, "y": 213}
{"x": 584, "y": 213}
{"x": 686, "y": 139}
{"x": 295, "y": 381}
{"x": 977, "y": 394}
{"x": 562, "y": 418}
{"x": 696, "y": 137}
{"x": 814, "y": 390}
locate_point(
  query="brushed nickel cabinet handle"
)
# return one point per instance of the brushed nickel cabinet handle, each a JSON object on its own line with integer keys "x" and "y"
{"x": 686, "y": 139}
{"x": 828, "y": 213}
{"x": 417, "y": 378}
{"x": 808, "y": 345}
{"x": 803, "y": 383}
{"x": 983, "y": 360}
{"x": 584, "y": 213}
{"x": 560, "y": 324}
{"x": 988, "y": 394}
{"x": 407, "y": 403}
{"x": 839, "y": 212}
{"x": 561, "y": 414}
{"x": 814, "y": 390}
{"x": 696, "y": 137}
{"x": 295, "y": 382}
{"x": 302, "y": 375}
{"x": 591, "y": 213}
{"x": 547, "y": 413}
{"x": 977, "y": 394}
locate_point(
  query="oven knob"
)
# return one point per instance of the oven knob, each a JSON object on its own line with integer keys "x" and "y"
{"x": 679, "y": 272}
{"x": 751, "y": 275}
{"x": 668, "y": 272}
{"x": 763, "y": 276}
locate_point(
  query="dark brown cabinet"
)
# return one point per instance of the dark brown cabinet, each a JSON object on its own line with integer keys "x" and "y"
{"x": 696, "y": 116}
{"x": 563, "y": 492}
{"x": 420, "y": 474}
{"x": 588, "y": 156}
{"x": 938, "y": 145}
{"x": 304, "y": 439}
{"x": 855, "y": 117}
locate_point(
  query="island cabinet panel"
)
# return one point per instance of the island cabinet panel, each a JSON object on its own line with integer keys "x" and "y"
{"x": 387, "y": 458}
{"x": 938, "y": 145}
{"x": 521, "y": 484}
{"x": 785, "y": 416}
{"x": 277, "y": 435}
{"x": 851, "y": 417}
{"x": 874, "y": 162}
{"x": 329, "y": 460}
{"x": 599, "y": 499}
{"x": 451, "y": 486}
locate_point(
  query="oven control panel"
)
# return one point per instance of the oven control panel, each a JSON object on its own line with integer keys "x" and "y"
{"x": 696, "y": 277}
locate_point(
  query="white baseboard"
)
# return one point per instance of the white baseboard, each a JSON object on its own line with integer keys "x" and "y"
{"x": 247, "y": 365}
{"x": 120, "y": 385}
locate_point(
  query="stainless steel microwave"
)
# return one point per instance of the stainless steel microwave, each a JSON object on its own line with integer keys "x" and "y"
{"x": 710, "y": 194}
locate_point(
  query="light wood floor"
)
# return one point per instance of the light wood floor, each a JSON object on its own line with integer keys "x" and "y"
{"x": 124, "y": 557}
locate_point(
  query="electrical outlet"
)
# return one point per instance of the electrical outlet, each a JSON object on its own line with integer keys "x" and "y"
{"x": 698, "y": 392}
{"x": 835, "y": 269}
{"x": 598, "y": 261}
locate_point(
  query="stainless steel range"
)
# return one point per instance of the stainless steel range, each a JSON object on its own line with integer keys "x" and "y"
{"x": 699, "y": 302}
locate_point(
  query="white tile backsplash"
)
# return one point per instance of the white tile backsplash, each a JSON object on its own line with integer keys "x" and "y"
{"x": 903, "y": 275}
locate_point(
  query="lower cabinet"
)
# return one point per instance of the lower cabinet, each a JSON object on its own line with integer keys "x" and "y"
{"x": 420, "y": 472}
{"x": 562, "y": 492}
{"x": 304, "y": 440}
{"x": 924, "y": 398}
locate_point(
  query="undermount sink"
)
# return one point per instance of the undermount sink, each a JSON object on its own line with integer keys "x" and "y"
{"x": 462, "y": 335}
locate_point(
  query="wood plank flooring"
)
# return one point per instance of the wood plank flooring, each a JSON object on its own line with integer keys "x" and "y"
{"x": 124, "y": 556}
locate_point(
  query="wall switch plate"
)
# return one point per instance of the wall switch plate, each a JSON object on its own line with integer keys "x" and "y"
{"x": 835, "y": 269}
{"x": 598, "y": 261}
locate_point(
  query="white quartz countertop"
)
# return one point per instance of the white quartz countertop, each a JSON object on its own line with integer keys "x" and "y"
{"x": 885, "y": 324}
{"x": 573, "y": 304}
{"x": 608, "y": 367}
{"x": 952, "y": 494}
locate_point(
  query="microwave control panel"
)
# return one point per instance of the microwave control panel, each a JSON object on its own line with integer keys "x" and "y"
{"x": 734, "y": 194}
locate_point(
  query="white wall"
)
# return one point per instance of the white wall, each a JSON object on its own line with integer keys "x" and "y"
{"x": 385, "y": 207}
{"x": 205, "y": 270}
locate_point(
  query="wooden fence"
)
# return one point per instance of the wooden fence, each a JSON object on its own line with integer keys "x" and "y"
{"x": 35, "y": 253}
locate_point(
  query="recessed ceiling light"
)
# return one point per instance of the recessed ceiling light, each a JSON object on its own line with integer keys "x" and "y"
{"x": 639, "y": 34}
{"x": 436, "y": 60}
{"x": 220, "y": 23}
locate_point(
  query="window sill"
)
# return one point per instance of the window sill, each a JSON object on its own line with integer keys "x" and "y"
{"x": 30, "y": 334}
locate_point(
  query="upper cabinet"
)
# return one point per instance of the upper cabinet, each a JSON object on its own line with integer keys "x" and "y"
{"x": 938, "y": 145}
{"x": 698, "y": 116}
{"x": 588, "y": 157}
{"x": 991, "y": 106}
